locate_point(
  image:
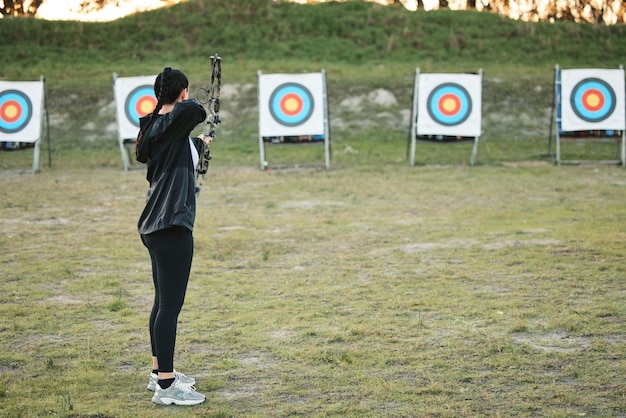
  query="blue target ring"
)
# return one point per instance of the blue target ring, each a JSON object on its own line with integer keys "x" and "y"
{"x": 16, "y": 110}
{"x": 291, "y": 104}
{"x": 449, "y": 104}
{"x": 139, "y": 102}
{"x": 593, "y": 100}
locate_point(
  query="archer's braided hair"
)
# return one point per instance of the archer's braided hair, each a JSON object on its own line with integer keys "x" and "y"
{"x": 167, "y": 87}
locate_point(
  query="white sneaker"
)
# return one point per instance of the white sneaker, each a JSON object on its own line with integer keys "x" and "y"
{"x": 177, "y": 394}
{"x": 154, "y": 378}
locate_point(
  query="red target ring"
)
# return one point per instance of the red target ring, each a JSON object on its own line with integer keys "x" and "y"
{"x": 10, "y": 111}
{"x": 291, "y": 104}
{"x": 593, "y": 100}
{"x": 449, "y": 104}
{"x": 145, "y": 105}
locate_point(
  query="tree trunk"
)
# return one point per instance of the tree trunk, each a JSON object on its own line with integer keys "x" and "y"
{"x": 17, "y": 8}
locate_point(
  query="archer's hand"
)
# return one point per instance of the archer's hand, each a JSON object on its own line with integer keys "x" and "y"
{"x": 206, "y": 138}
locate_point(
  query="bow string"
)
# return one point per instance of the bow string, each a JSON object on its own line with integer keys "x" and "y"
{"x": 210, "y": 96}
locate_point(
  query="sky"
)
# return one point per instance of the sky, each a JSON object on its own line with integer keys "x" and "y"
{"x": 69, "y": 9}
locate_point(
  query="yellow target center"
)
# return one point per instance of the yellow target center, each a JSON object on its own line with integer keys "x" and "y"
{"x": 291, "y": 105}
{"x": 449, "y": 105}
{"x": 11, "y": 111}
{"x": 593, "y": 100}
{"x": 146, "y": 107}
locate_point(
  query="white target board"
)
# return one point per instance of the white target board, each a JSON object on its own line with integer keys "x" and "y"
{"x": 447, "y": 108}
{"x": 592, "y": 99}
{"x": 449, "y": 104}
{"x": 291, "y": 104}
{"x": 134, "y": 98}
{"x": 21, "y": 110}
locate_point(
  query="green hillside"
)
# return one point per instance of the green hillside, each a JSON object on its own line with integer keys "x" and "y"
{"x": 362, "y": 46}
{"x": 353, "y": 33}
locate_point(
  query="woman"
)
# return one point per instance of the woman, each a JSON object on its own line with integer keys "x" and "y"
{"x": 166, "y": 223}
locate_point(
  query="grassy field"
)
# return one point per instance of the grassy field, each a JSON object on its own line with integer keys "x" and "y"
{"x": 369, "y": 291}
{"x": 373, "y": 289}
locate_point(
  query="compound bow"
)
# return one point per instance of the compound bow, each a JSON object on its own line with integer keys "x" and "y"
{"x": 210, "y": 96}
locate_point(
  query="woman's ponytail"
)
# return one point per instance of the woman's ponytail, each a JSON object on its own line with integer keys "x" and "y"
{"x": 161, "y": 85}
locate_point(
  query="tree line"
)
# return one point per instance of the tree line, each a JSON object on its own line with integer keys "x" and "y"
{"x": 592, "y": 11}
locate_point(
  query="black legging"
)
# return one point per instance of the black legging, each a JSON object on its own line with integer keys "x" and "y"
{"x": 171, "y": 252}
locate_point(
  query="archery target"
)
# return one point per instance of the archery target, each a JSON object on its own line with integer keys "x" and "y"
{"x": 449, "y": 104}
{"x": 140, "y": 102}
{"x": 21, "y": 105}
{"x": 16, "y": 110}
{"x": 591, "y": 99}
{"x": 291, "y": 104}
{"x": 134, "y": 97}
